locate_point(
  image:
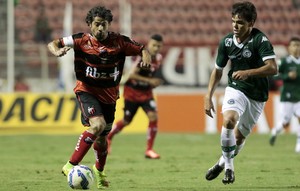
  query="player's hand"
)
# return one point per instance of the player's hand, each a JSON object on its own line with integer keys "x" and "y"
{"x": 146, "y": 59}
{"x": 55, "y": 50}
{"x": 154, "y": 82}
{"x": 240, "y": 75}
{"x": 62, "y": 51}
{"x": 209, "y": 106}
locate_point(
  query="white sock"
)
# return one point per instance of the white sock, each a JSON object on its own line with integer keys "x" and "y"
{"x": 239, "y": 148}
{"x": 277, "y": 129}
{"x": 297, "y": 148}
{"x": 228, "y": 144}
{"x": 221, "y": 161}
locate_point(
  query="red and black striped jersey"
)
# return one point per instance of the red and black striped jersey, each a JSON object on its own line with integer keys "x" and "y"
{"x": 98, "y": 65}
{"x": 136, "y": 90}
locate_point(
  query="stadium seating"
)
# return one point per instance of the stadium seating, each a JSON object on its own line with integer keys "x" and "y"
{"x": 181, "y": 22}
{"x": 186, "y": 19}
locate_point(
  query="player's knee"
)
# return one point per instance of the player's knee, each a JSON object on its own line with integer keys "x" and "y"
{"x": 229, "y": 121}
{"x": 97, "y": 125}
{"x": 152, "y": 116}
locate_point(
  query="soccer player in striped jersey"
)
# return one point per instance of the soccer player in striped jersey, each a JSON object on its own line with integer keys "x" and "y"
{"x": 289, "y": 73}
{"x": 138, "y": 93}
{"x": 98, "y": 64}
{"x": 252, "y": 60}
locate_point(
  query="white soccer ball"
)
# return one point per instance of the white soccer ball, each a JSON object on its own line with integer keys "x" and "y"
{"x": 80, "y": 177}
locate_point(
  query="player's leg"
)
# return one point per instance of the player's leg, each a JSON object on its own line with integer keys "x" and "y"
{"x": 100, "y": 145}
{"x": 220, "y": 165}
{"x": 100, "y": 150}
{"x": 297, "y": 114}
{"x": 150, "y": 109}
{"x": 130, "y": 109}
{"x": 228, "y": 144}
{"x": 297, "y": 148}
{"x": 91, "y": 117}
{"x": 286, "y": 112}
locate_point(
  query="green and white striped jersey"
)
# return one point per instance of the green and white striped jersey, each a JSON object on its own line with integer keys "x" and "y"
{"x": 290, "y": 90}
{"x": 246, "y": 55}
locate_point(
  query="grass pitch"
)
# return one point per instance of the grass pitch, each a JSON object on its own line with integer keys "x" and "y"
{"x": 34, "y": 162}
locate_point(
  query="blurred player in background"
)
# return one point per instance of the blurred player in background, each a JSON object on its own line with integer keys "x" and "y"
{"x": 99, "y": 61}
{"x": 252, "y": 60}
{"x": 289, "y": 73}
{"x": 138, "y": 93}
{"x": 20, "y": 84}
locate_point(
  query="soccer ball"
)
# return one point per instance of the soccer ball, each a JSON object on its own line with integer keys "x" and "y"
{"x": 80, "y": 177}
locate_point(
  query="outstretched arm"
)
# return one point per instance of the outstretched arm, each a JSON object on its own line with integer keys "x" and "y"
{"x": 57, "y": 49}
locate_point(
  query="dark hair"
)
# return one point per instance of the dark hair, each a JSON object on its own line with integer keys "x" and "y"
{"x": 98, "y": 12}
{"x": 157, "y": 37}
{"x": 294, "y": 38}
{"x": 245, "y": 10}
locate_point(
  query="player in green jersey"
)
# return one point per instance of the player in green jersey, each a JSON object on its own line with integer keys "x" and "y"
{"x": 289, "y": 70}
{"x": 252, "y": 60}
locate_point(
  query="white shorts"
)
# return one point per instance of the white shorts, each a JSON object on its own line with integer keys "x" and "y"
{"x": 249, "y": 110}
{"x": 287, "y": 110}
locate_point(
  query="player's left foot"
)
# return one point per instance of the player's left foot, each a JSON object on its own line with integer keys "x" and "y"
{"x": 272, "y": 140}
{"x": 67, "y": 168}
{"x": 100, "y": 178}
{"x": 214, "y": 171}
{"x": 151, "y": 154}
{"x": 229, "y": 177}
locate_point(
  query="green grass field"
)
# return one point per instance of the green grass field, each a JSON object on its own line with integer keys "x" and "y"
{"x": 33, "y": 163}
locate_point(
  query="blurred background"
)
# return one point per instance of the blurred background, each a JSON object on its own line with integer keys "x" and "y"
{"x": 191, "y": 31}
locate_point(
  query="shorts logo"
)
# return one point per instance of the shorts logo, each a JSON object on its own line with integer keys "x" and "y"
{"x": 231, "y": 101}
{"x": 88, "y": 140}
{"x": 91, "y": 110}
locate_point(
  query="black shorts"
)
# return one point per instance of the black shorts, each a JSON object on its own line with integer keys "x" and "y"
{"x": 90, "y": 106}
{"x": 130, "y": 108}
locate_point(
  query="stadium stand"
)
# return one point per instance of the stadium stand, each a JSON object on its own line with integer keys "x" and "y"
{"x": 181, "y": 22}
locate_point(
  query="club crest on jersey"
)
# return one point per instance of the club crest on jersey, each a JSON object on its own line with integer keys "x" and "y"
{"x": 91, "y": 110}
{"x": 247, "y": 53}
{"x": 231, "y": 101}
{"x": 228, "y": 42}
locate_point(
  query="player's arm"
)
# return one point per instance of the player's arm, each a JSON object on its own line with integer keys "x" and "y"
{"x": 268, "y": 69}
{"x": 57, "y": 49}
{"x": 134, "y": 75}
{"x": 214, "y": 81}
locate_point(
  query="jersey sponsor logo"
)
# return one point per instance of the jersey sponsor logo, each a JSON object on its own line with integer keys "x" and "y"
{"x": 247, "y": 53}
{"x": 92, "y": 72}
{"x": 228, "y": 42}
{"x": 231, "y": 101}
{"x": 264, "y": 39}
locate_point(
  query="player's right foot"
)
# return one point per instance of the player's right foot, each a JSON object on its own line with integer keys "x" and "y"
{"x": 151, "y": 154}
{"x": 272, "y": 140}
{"x": 100, "y": 178}
{"x": 229, "y": 177}
{"x": 214, "y": 171}
{"x": 67, "y": 168}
